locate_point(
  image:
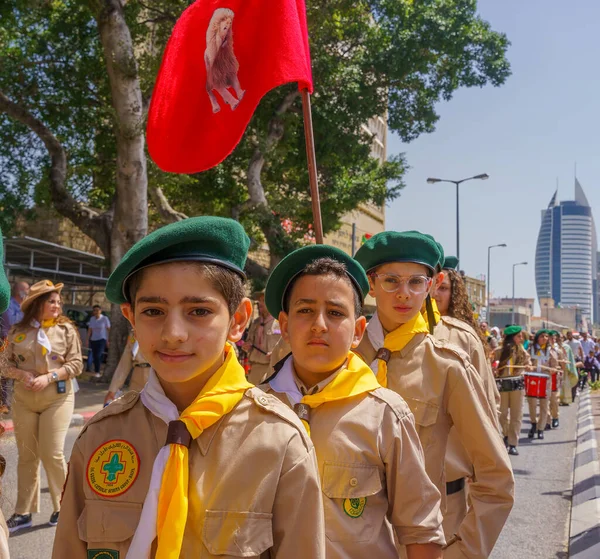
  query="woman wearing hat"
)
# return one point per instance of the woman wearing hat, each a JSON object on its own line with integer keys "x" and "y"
{"x": 544, "y": 360}
{"x": 45, "y": 353}
{"x": 513, "y": 361}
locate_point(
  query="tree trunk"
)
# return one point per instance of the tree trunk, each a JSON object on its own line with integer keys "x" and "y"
{"x": 130, "y": 222}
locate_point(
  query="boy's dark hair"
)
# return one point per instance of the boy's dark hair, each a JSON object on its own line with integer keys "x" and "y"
{"x": 229, "y": 284}
{"x": 325, "y": 267}
{"x": 96, "y": 307}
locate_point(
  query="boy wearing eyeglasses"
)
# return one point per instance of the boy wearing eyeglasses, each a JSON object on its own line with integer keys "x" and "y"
{"x": 438, "y": 383}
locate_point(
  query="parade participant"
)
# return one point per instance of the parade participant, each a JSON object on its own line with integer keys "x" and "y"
{"x": 44, "y": 350}
{"x": 263, "y": 336}
{"x": 571, "y": 377}
{"x": 200, "y": 463}
{"x": 557, "y": 377}
{"x": 4, "y": 302}
{"x": 438, "y": 383}
{"x": 544, "y": 361}
{"x": 369, "y": 454}
{"x": 513, "y": 361}
{"x": 457, "y": 326}
{"x": 131, "y": 358}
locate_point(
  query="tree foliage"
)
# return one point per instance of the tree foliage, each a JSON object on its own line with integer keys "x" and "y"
{"x": 370, "y": 57}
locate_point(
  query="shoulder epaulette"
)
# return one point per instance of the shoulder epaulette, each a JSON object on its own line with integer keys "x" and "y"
{"x": 460, "y": 324}
{"x": 124, "y": 403}
{"x": 394, "y": 401}
{"x": 451, "y": 349}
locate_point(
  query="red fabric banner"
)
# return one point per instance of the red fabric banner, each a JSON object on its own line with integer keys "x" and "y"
{"x": 221, "y": 59}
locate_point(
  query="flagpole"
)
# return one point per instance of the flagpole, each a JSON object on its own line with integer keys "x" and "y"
{"x": 312, "y": 166}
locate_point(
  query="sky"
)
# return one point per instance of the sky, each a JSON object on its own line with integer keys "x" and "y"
{"x": 527, "y": 135}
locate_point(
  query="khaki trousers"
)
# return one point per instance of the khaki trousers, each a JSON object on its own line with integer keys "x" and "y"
{"x": 41, "y": 420}
{"x": 511, "y": 403}
{"x": 554, "y": 398}
{"x": 533, "y": 416}
{"x": 258, "y": 372}
{"x": 456, "y": 510}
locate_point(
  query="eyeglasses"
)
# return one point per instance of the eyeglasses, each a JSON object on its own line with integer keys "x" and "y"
{"x": 417, "y": 285}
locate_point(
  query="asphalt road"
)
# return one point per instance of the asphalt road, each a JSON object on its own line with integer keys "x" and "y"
{"x": 536, "y": 529}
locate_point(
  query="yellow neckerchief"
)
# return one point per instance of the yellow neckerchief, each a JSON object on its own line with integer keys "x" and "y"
{"x": 436, "y": 312}
{"x": 220, "y": 395}
{"x": 49, "y": 322}
{"x": 355, "y": 378}
{"x": 397, "y": 340}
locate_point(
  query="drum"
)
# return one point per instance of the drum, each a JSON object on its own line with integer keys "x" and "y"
{"x": 554, "y": 382}
{"x": 536, "y": 385}
{"x": 510, "y": 384}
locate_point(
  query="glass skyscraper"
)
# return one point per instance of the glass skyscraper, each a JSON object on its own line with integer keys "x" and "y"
{"x": 566, "y": 267}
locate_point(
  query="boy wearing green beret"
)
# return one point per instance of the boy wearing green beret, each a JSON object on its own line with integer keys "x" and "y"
{"x": 373, "y": 476}
{"x": 438, "y": 383}
{"x": 200, "y": 463}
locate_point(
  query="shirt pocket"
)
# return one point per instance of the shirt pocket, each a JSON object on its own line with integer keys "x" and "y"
{"x": 426, "y": 416}
{"x": 109, "y": 525}
{"x": 348, "y": 514}
{"x": 237, "y": 534}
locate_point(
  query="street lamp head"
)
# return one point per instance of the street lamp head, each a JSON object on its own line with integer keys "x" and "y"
{"x": 483, "y": 176}
{"x": 431, "y": 180}
{"x": 503, "y": 245}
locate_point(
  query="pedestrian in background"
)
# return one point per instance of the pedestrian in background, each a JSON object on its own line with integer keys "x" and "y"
{"x": 575, "y": 346}
{"x": 45, "y": 353}
{"x": 592, "y": 366}
{"x": 10, "y": 317}
{"x": 587, "y": 344}
{"x": 98, "y": 332}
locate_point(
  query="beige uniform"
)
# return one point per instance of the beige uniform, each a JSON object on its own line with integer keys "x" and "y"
{"x": 555, "y": 394}
{"x": 4, "y": 552}
{"x": 443, "y": 390}
{"x": 263, "y": 335}
{"x": 544, "y": 403}
{"x": 128, "y": 361}
{"x": 254, "y": 485}
{"x": 511, "y": 402}
{"x": 41, "y": 419}
{"x": 281, "y": 350}
{"x": 458, "y": 466}
{"x": 369, "y": 454}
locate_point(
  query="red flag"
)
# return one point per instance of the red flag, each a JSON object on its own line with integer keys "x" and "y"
{"x": 222, "y": 58}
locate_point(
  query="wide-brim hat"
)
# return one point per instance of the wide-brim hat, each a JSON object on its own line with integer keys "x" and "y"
{"x": 4, "y": 285}
{"x": 38, "y": 289}
{"x": 295, "y": 263}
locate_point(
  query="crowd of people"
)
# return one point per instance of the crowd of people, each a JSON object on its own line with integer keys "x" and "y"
{"x": 298, "y": 427}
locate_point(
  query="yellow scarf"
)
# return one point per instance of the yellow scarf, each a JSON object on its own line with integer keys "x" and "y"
{"x": 398, "y": 339}
{"x": 354, "y": 379}
{"x": 220, "y": 395}
{"x": 436, "y": 312}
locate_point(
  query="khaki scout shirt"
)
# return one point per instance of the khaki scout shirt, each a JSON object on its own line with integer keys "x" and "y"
{"x": 369, "y": 454}
{"x": 26, "y": 353}
{"x": 254, "y": 485}
{"x": 271, "y": 335}
{"x": 126, "y": 363}
{"x": 281, "y": 350}
{"x": 520, "y": 358}
{"x": 461, "y": 334}
{"x": 443, "y": 390}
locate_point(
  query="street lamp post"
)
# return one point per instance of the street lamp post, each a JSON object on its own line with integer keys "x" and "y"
{"x": 482, "y": 176}
{"x": 512, "y": 320}
{"x": 487, "y": 315}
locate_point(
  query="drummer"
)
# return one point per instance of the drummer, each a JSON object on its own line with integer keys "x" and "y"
{"x": 544, "y": 360}
{"x": 513, "y": 361}
{"x": 557, "y": 378}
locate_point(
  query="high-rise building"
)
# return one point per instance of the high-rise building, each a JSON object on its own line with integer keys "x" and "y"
{"x": 566, "y": 258}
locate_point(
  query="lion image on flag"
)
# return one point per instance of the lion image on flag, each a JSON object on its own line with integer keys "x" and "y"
{"x": 221, "y": 64}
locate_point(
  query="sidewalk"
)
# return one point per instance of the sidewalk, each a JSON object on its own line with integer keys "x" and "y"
{"x": 584, "y": 541}
{"x": 88, "y": 401}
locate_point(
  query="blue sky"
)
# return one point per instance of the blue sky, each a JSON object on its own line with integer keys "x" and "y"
{"x": 526, "y": 135}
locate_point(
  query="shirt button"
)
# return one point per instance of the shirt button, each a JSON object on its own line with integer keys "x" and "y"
{"x": 262, "y": 400}
{"x": 353, "y": 482}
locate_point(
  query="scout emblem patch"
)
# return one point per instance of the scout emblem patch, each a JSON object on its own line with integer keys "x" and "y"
{"x": 102, "y": 554}
{"x": 112, "y": 470}
{"x": 19, "y": 338}
{"x": 354, "y": 507}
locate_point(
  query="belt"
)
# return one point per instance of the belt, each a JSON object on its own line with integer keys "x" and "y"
{"x": 143, "y": 365}
{"x": 455, "y": 486}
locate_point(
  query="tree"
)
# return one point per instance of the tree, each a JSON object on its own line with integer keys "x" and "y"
{"x": 76, "y": 80}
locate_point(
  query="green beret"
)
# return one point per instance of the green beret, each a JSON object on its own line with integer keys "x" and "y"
{"x": 553, "y": 333}
{"x": 214, "y": 240}
{"x": 450, "y": 263}
{"x": 4, "y": 286}
{"x": 442, "y": 257}
{"x": 392, "y": 246}
{"x": 512, "y": 330}
{"x": 295, "y": 263}
{"x": 542, "y": 331}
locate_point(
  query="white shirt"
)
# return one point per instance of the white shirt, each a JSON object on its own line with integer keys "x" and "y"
{"x": 575, "y": 346}
{"x": 99, "y": 327}
{"x": 587, "y": 346}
